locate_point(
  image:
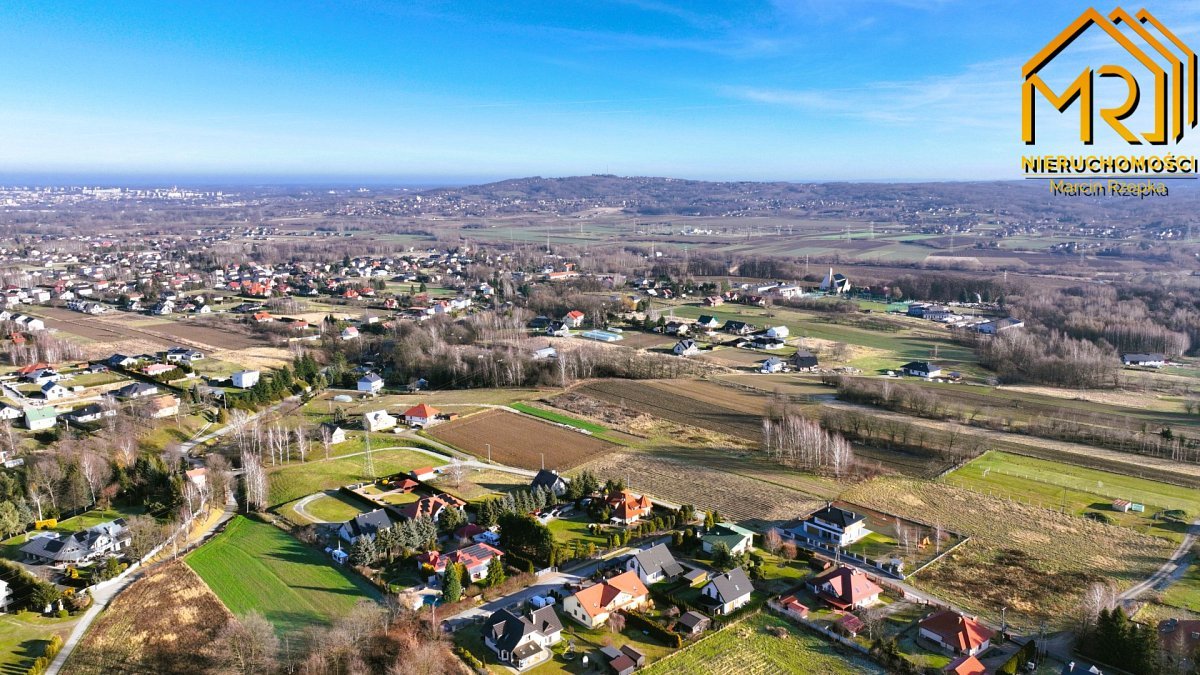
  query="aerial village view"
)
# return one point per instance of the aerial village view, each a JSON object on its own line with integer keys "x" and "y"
{"x": 593, "y": 424}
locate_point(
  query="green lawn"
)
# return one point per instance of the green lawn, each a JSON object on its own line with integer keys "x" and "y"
{"x": 1054, "y": 485}
{"x": 559, "y": 418}
{"x": 748, "y": 647}
{"x": 780, "y": 575}
{"x": 256, "y": 566}
{"x": 293, "y": 481}
{"x": 11, "y": 548}
{"x": 334, "y": 508}
{"x": 566, "y": 530}
{"x": 1185, "y": 593}
{"x": 24, "y": 637}
{"x": 874, "y": 546}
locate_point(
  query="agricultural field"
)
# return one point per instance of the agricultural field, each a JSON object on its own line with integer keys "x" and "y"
{"x": 1078, "y": 490}
{"x": 518, "y": 440}
{"x": 161, "y": 623}
{"x": 755, "y": 646}
{"x": 736, "y": 413}
{"x": 256, "y": 566}
{"x": 479, "y": 484}
{"x": 293, "y": 481}
{"x": 1033, "y": 561}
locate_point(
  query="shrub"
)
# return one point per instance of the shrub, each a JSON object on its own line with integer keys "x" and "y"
{"x": 643, "y": 622}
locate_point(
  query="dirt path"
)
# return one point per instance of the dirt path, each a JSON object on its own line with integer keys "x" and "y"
{"x": 1169, "y": 570}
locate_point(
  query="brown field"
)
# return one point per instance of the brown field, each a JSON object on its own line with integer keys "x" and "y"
{"x": 647, "y": 341}
{"x": 1034, "y": 561}
{"x": 215, "y": 336}
{"x": 687, "y": 402}
{"x": 682, "y": 478}
{"x": 519, "y": 440}
{"x": 160, "y": 624}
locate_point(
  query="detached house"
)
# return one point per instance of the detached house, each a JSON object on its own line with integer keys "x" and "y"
{"x": 574, "y": 318}
{"x": 53, "y": 391}
{"x": 550, "y": 480}
{"x": 686, "y": 348}
{"x": 593, "y": 605}
{"x": 79, "y": 547}
{"x": 921, "y": 369}
{"x": 365, "y": 525}
{"x": 654, "y": 564}
{"x": 845, "y": 588}
{"x": 432, "y": 507}
{"x": 370, "y": 383}
{"x": 737, "y": 539}
{"x": 628, "y": 508}
{"x": 725, "y": 593}
{"x": 475, "y": 558}
{"x": 244, "y": 379}
{"x": 522, "y": 642}
{"x": 37, "y": 419}
{"x": 956, "y": 633}
{"x": 1145, "y": 360}
{"x": 378, "y": 420}
{"x": 835, "y": 525}
{"x": 421, "y": 415}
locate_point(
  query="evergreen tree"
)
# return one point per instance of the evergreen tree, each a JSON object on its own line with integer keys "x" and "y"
{"x": 495, "y": 573}
{"x": 452, "y": 586}
{"x": 363, "y": 551}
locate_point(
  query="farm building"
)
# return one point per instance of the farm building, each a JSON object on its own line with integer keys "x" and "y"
{"x": 602, "y": 336}
{"x": 999, "y": 325}
{"x": 780, "y": 332}
{"x": 793, "y": 607}
{"x": 804, "y": 360}
{"x": 1145, "y": 360}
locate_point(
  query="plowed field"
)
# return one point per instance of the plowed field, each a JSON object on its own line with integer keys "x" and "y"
{"x": 518, "y": 440}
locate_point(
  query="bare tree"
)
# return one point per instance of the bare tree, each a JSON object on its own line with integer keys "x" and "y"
{"x": 254, "y": 478}
{"x": 96, "y": 471}
{"x": 248, "y": 646}
{"x": 456, "y": 473}
{"x": 616, "y": 622}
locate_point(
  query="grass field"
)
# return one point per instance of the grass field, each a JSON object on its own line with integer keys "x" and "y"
{"x": 334, "y": 508}
{"x": 256, "y": 566}
{"x": 1077, "y": 490}
{"x": 24, "y": 637}
{"x": 1185, "y": 593}
{"x": 1033, "y": 561}
{"x": 293, "y": 481}
{"x": 558, "y": 417}
{"x": 750, "y": 647}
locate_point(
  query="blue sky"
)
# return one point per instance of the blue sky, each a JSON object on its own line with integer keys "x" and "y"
{"x": 784, "y": 89}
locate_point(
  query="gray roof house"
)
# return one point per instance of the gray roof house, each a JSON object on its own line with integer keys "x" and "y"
{"x": 654, "y": 564}
{"x": 364, "y": 524}
{"x": 550, "y": 479}
{"x": 77, "y": 547}
{"x": 522, "y": 642}
{"x": 725, "y": 593}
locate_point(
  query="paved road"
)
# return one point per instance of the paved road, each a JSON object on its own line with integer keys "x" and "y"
{"x": 1169, "y": 570}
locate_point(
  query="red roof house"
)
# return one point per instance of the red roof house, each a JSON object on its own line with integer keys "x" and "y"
{"x": 956, "y": 633}
{"x": 965, "y": 665}
{"x": 627, "y": 507}
{"x": 845, "y": 588}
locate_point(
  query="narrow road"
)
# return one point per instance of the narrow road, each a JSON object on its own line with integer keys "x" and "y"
{"x": 1166, "y": 573}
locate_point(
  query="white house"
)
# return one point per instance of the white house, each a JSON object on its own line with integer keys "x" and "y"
{"x": 421, "y": 415}
{"x": 737, "y": 539}
{"x": 37, "y": 419}
{"x": 780, "y": 332}
{"x": 654, "y": 564}
{"x": 244, "y": 379}
{"x": 378, "y": 420}
{"x": 1147, "y": 360}
{"x": 772, "y": 365}
{"x": 836, "y": 525}
{"x": 523, "y": 642}
{"x": 370, "y": 383}
{"x": 686, "y": 348}
{"x": 593, "y": 605}
{"x": 349, "y": 333}
{"x": 921, "y": 369}
{"x": 54, "y": 391}
{"x": 725, "y": 593}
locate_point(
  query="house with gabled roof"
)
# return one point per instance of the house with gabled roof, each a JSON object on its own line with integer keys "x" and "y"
{"x": 966, "y": 664}
{"x": 549, "y": 479}
{"x": 431, "y": 507}
{"x": 78, "y": 547}
{"x": 654, "y": 564}
{"x": 421, "y": 415}
{"x": 370, "y": 383}
{"x": 737, "y": 539}
{"x": 835, "y": 525}
{"x": 628, "y": 508}
{"x": 845, "y": 588}
{"x": 956, "y": 633}
{"x": 365, "y": 525}
{"x": 37, "y": 419}
{"x": 475, "y": 558}
{"x": 726, "y": 593}
{"x": 523, "y": 642}
{"x": 593, "y": 605}
{"x": 378, "y": 420}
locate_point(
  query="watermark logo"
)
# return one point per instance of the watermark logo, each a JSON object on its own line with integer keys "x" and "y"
{"x": 1170, "y": 88}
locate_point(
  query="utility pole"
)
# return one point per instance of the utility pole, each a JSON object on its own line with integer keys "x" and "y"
{"x": 489, "y": 449}
{"x": 369, "y": 464}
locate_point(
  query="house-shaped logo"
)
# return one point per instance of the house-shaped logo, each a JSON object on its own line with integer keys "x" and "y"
{"x": 1170, "y": 62}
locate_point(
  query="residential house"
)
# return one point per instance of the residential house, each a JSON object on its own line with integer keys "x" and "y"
{"x": 966, "y": 664}
{"x": 726, "y": 593}
{"x": 431, "y": 507}
{"x": 378, "y": 420}
{"x": 53, "y": 391}
{"x": 835, "y": 283}
{"x": 183, "y": 355}
{"x": 557, "y": 329}
{"x": 708, "y": 322}
{"x": 737, "y": 539}
{"x": 156, "y": 369}
{"x": 677, "y": 328}
{"x": 6, "y": 596}
{"x": 956, "y": 633}
{"x": 921, "y": 369}
{"x": 1145, "y": 360}
{"x": 424, "y": 473}
{"x": 121, "y": 361}
{"x": 772, "y": 365}
{"x": 522, "y": 642}
{"x": 692, "y": 623}
{"x": 135, "y": 390}
{"x": 8, "y": 412}
{"x": 574, "y": 318}
{"x": 37, "y": 419}
{"x": 845, "y": 588}
{"x": 714, "y": 301}
{"x": 686, "y": 348}
{"x": 475, "y": 558}
{"x": 804, "y": 360}
{"x": 654, "y": 564}
{"x": 592, "y": 606}
{"x": 421, "y": 415}
{"x": 244, "y": 379}
{"x": 365, "y": 525}
{"x": 737, "y": 327}
{"x": 162, "y": 406}
{"x": 336, "y": 433}
{"x": 835, "y": 525}
{"x": 628, "y": 508}
{"x": 547, "y": 478}
{"x": 92, "y": 412}
{"x": 370, "y": 383}
{"x": 349, "y": 333}
{"x": 78, "y": 547}
{"x": 197, "y": 477}
{"x": 780, "y": 332}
